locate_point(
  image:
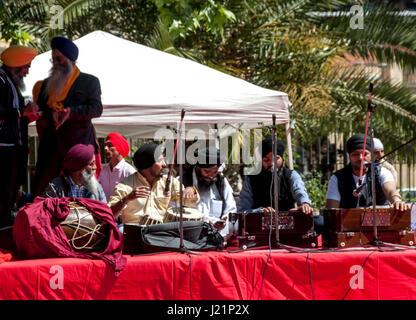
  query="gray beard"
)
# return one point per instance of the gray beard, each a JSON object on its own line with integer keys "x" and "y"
{"x": 57, "y": 79}
{"x": 90, "y": 182}
{"x": 17, "y": 80}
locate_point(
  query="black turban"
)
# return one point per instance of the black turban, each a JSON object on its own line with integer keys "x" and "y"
{"x": 146, "y": 156}
{"x": 357, "y": 142}
{"x": 267, "y": 146}
{"x": 66, "y": 47}
{"x": 211, "y": 157}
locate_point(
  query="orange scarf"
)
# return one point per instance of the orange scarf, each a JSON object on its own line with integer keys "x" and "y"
{"x": 55, "y": 102}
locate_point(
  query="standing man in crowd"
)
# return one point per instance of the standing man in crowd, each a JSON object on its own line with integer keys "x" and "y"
{"x": 78, "y": 180}
{"x": 215, "y": 192}
{"x": 140, "y": 197}
{"x": 116, "y": 148}
{"x": 69, "y": 100}
{"x": 14, "y": 118}
{"x": 344, "y": 182}
{"x": 257, "y": 192}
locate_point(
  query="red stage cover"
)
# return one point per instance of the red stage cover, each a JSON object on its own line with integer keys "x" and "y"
{"x": 247, "y": 275}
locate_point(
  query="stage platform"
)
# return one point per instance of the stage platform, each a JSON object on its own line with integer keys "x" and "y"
{"x": 351, "y": 274}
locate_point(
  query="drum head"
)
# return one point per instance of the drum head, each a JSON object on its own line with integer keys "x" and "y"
{"x": 84, "y": 231}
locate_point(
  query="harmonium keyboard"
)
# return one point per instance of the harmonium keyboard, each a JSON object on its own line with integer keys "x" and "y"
{"x": 257, "y": 229}
{"x": 352, "y": 227}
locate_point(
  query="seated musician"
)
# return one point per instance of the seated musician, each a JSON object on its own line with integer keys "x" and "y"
{"x": 256, "y": 194}
{"x": 139, "y": 198}
{"x": 216, "y": 194}
{"x": 78, "y": 180}
{"x": 342, "y": 183}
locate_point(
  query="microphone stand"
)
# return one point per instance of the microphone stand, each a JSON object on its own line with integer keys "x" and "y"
{"x": 181, "y": 246}
{"x": 275, "y": 181}
{"x": 375, "y": 241}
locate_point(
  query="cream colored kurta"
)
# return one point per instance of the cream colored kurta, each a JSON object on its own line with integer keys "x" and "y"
{"x": 152, "y": 209}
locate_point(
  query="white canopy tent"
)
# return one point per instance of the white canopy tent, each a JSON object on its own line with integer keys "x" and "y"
{"x": 144, "y": 89}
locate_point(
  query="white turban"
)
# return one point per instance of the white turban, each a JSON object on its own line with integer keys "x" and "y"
{"x": 378, "y": 144}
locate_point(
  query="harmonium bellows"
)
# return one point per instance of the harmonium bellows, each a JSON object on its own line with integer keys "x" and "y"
{"x": 355, "y": 226}
{"x": 257, "y": 228}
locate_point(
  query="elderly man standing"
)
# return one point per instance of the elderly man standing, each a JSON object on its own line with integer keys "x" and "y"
{"x": 140, "y": 197}
{"x": 14, "y": 118}
{"x": 69, "y": 100}
{"x": 216, "y": 194}
{"x": 78, "y": 180}
{"x": 116, "y": 148}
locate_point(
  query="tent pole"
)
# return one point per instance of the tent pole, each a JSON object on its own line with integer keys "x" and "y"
{"x": 289, "y": 146}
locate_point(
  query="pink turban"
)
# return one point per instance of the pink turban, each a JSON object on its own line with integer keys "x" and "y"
{"x": 78, "y": 157}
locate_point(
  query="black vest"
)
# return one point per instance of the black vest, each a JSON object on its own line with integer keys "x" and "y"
{"x": 346, "y": 187}
{"x": 263, "y": 191}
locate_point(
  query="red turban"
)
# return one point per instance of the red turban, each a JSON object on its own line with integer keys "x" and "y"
{"x": 78, "y": 157}
{"x": 18, "y": 56}
{"x": 119, "y": 142}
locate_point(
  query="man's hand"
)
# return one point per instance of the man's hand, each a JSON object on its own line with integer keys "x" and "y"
{"x": 306, "y": 208}
{"x": 138, "y": 192}
{"x": 220, "y": 224}
{"x": 30, "y": 111}
{"x": 268, "y": 210}
{"x": 60, "y": 119}
{"x": 189, "y": 193}
{"x": 400, "y": 205}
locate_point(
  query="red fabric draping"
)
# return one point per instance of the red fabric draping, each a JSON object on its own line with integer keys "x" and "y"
{"x": 219, "y": 276}
{"x": 37, "y": 232}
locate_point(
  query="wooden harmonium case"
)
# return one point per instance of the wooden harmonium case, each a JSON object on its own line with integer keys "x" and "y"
{"x": 361, "y": 219}
{"x": 295, "y": 228}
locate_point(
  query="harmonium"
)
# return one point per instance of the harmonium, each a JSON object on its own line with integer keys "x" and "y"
{"x": 354, "y": 227}
{"x": 257, "y": 229}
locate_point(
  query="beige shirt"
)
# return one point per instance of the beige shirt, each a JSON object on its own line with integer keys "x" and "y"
{"x": 150, "y": 210}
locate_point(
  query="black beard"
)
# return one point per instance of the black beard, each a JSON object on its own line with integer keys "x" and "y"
{"x": 204, "y": 185}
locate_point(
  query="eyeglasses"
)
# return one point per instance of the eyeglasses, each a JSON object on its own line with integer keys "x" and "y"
{"x": 58, "y": 60}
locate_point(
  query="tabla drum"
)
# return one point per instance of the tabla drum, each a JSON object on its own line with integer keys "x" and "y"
{"x": 146, "y": 220}
{"x": 84, "y": 231}
{"x": 189, "y": 214}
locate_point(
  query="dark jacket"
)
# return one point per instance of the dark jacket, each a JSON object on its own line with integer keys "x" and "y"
{"x": 84, "y": 99}
{"x": 61, "y": 186}
{"x": 13, "y": 129}
{"x": 263, "y": 187}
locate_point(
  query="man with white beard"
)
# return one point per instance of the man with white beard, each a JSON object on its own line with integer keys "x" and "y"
{"x": 69, "y": 100}
{"x": 78, "y": 180}
{"x": 15, "y": 115}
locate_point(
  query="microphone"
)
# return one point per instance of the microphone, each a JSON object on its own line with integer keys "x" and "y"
{"x": 358, "y": 190}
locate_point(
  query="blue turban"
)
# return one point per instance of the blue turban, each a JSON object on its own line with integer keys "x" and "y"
{"x": 66, "y": 47}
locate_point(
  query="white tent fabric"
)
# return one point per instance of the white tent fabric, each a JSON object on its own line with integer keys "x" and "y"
{"x": 144, "y": 89}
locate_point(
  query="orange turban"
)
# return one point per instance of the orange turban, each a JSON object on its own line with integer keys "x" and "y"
{"x": 17, "y": 56}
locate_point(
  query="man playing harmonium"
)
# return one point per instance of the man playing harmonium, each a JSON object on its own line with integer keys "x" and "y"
{"x": 256, "y": 195}
{"x": 344, "y": 182}
{"x": 140, "y": 197}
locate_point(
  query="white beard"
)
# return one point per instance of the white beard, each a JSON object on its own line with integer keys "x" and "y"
{"x": 57, "y": 79}
{"x": 90, "y": 182}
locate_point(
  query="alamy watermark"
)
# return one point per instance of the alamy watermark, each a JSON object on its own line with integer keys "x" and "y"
{"x": 357, "y": 19}
{"x": 246, "y": 146}
{"x": 57, "y": 19}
